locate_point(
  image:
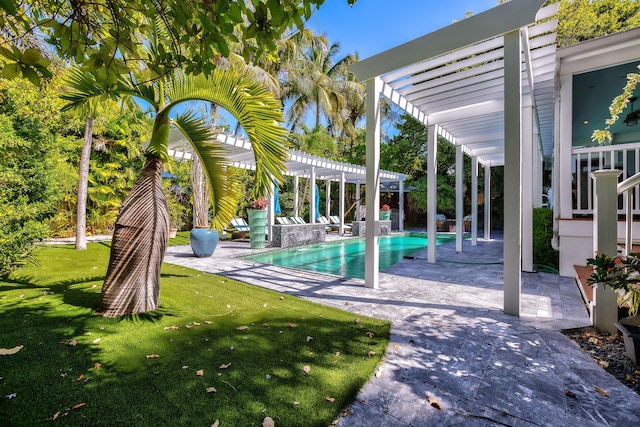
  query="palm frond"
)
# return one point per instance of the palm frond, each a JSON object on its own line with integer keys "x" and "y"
{"x": 258, "y": 112}
{"x": 225, "y": 192}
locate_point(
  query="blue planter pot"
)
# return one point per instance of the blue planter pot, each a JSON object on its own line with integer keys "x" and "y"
{"x": 203, "y": 241}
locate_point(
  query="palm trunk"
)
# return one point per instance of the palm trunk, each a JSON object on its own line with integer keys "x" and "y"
{"x": 132, "y": 283}
{"x": 81, "y": 208}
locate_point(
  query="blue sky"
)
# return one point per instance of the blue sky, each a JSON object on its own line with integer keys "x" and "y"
{"x": 373, "y": 26}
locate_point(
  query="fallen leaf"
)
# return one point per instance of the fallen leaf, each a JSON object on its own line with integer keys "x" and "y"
{"x": 78, "y": 405}
{"x": 309, "y": 338}
{"x": 152, "y": 356}
{"x": 281, "y": 298}
{"x": 295, "y": 402}
{"x": 292, "y": 325}
{"x": 604, "y": 364}
{"x": 266, "y": 325}
{"x": 396, "y": 346}
{"x": 605, "y": 393}
{"x": 185, "y": 366}
{"x": 56, "y": 415}
{"x": 172, "y": 328}
{"x": 73, "y": 343}
{"x": 356, "y": 320}
{"x": 371, "y": 353}
{"x": 330, "y": 399}
{"x": 215, "y": 424}
{"x": 306, "y": 369}
{"x": 208, "y": 322}
{"x": 369, "y": 334}
{"x": 196, "y": 324}
{"x": 337, "y": 353}
{"x": 242, "y": 328}
{"x": 188, "y": 326}
{"x": 200, "y": 372}
{"x": 211, "y": 390}
{"x": 570, "y": 394}
{"x": 268, "y": 422}
{"x": 434, "y": 402}
{"x": 378, "y": 373}
{"x": 97, "y": 366}
{"x": 8, "y": 351}
{"x": 593, "y": 340}
{"x": 225, "y": 365}
{"x": 97, "y": 340}
{"x": 80, "y": 378}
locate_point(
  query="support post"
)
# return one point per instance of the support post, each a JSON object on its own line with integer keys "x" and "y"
{"x": 605, "y": 240}
{"x": 432, "y": 185}
{"x": 357, "y": 214}
{"x": 459, "y": 197}
{"x": 271, "y": 213}
{"x": 401, "y": 206}
{"x": 512, "y": 172}
{"x": 341, "y": 203}
{"x": 327, "y": 199}
{"x": 372, "y": 240}
{"x": 296, "y": 195}
{"x": 529, "y": 157}
{"x": 312, "y": 197}
{"x": 474, "y": 201}
{"x": 487, "y": 201}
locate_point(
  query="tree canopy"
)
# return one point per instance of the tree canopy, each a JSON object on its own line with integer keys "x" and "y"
{"x": 108, "y": 35}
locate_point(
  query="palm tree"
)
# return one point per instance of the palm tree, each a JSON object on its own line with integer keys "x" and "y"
{"x": 132, "y": 282}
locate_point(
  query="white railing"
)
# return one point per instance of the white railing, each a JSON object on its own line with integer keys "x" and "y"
{"x": 623, "y": 157}
{"x": 629, "y": 189}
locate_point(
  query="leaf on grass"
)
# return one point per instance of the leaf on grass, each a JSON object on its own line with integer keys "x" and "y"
{"x": 268, "y": 422}
{"x": 309, "y": 338}
{"x": 78, "y": 405}
{"x": 152, "y": 356}
{"x": 196, "y": 324}
{"x": 242, "y": 328}
{"x": 73, "y": 342}
{"x": 200, "y": 372}
{"x": 356, "y": 320}
{"x": 266, "y": 325}
{"x": 56, "y": 415}
{"x": 97, "y": 366}
{"x": 185, "y": 366}
{"x": 97, "y": 340}
{"x": 605, "y": 393}
{"x": 80, "y": 378}
{"x": 371, "y": 353}
{"x": 216, "y": 424}
{"x": 330, "y": 399}
{"x": 306, "y": 369}
{"x": 172, "y": 328}
{"x": 211, "y": 390}
{"x": 208, "y": 322}
{"x": 9, "y": 351}
{"x": 295, "y": 402}
{"x": 188, "y": 326}
{"x": 369, "y": 334}
{"x": 292, "y": 325}
{"x": 225, "y": 365}
{"x": 282, "y": 298}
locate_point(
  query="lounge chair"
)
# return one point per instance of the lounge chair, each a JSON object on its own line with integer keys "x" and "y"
{"x": 239, "y": 228}
{"x": 323, "y": 220}
{"x": 335, "y": 221}
{"x": 297, "y": 220}
{"x": 283, "y": 220}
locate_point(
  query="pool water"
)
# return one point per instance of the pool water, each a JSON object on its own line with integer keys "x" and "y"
{"x": 346, "y": 258}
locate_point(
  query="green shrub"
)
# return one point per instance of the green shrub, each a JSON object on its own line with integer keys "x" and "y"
{"x": 543, "y": 253}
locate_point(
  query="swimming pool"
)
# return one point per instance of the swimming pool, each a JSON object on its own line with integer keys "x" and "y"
{"x": 346, "y": 257}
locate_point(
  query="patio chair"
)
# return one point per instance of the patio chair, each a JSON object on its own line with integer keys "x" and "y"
{"x": 239, "y": 228}
{"x": 297, "y": 220}
{"x": 335, "y": 221}
{"x": 282, "y": 220}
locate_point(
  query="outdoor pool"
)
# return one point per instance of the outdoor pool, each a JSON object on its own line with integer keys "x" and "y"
{"x": 346, "y": 257}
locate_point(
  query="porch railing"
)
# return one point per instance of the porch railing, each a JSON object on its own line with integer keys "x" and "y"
{"x": 623, "y": 157}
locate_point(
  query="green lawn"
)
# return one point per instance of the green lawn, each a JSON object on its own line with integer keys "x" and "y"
{"x": 248, "y": 344}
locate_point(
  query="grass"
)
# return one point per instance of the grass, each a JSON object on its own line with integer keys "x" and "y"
{"x": 250, "y": 344}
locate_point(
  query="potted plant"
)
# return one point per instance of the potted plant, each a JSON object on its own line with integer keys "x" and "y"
{"x": 257, "y": 222}
{"x": 622, "y": 274}
{"x": 385, "y": 213}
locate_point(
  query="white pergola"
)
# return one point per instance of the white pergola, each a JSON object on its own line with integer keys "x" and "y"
{"x": 239, "y": 153}
{"x": 486, "y": 84}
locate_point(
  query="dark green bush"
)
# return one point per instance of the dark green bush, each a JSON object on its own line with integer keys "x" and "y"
{"x": 543, "y": 253}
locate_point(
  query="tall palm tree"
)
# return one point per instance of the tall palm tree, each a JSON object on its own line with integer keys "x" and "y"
{"x": 132, "y": 283}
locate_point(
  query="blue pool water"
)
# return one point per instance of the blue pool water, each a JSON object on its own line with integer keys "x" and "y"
{"x": 346, "y": 258}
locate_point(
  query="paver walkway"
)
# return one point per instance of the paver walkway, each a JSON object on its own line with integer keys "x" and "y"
{"x": 454, "y": 358}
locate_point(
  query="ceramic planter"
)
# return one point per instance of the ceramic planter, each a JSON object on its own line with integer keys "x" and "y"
{"x": 203, "y": 241}
{"x": 257, "y": 225}
{"x": 385, "y": 215}
{"x": 630, "y": 329}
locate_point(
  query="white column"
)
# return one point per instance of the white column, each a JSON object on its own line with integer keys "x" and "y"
{"x": 296, "y": 194}
{"x": 270, "y": 213}
{"x": 372, "y": 254}
{"x": 512, "y": 172}
{"x": 341, "y": 203}
{"x": 357, "y": 215}
{"x": 459, "y": 197}
{"x": 528, "y": 185}
{"x": 605, "y": 240}
{"x": 327, "y": 199}
{"x": 312, "y": 197}
{"x": 487, "y": 201}
{"x": 562, "y": 191}
{"x": 474, "y": 201}
{"x": 401, "y": 206}
{"x": 432, "y": 169}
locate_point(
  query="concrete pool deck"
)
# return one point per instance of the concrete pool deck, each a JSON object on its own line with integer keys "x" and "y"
{"x": 454, "y": 357}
